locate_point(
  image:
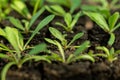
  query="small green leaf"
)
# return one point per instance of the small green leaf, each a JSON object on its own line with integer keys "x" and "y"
{"x": 56, "y": 33}
{"x": 38, "y": 48}
{"x": 77, "y": 36}
{"x": 33, "y": 19}
{"x": 42, "y": 24}
{"x": 15, "y": 38}
{"x": 2, "y": 33}
{"x": 99, "y": 19}
{"x": 68, "y": 19}
{"x": 4, "y": 56}
{"x": 85, "y": 56}
{"x": 111, "y": 39}
{"x": 50, "y": 41}
{"x": 104, "y": 49}
{"x": 5, "y": 69}
{"x": 74, "y": 5}
{"x": 82, "y": 47}
{"x": 56, "y": 9}
{"x": 16, "y": 23}
{"x": 113, "y": 20}
{"x": 75, "y": 19}
{"x": 112, "y": 51}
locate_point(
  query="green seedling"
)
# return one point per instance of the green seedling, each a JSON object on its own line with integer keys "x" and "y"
{"x": 70, "y": 22}
{"x": 56, "y": 10}
{"x": 73, "y": 56}
{"x": 61, "y": 37}
{"x": 36, "y": 4}
{"x": 111, "y": 5}
{"x": 4, "y": 9}
{"x": 111, "y": 55}
{"x": 71, "y": 4}
{"x": 15, "y": 38}
{"x": 21, "y": 8}
{"x": 14, "y": 60}
{"x": 27, "y": 24}
{"x": 109, "y": 27}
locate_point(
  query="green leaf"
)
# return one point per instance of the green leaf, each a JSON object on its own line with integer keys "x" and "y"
{"x": 16, "y": 23}
{"x": 116, "y": 27}
{"x": 5, "y": 69}
{"x": 4, "y": 56}
{"x": 99, "y": 19}
{"x": 15, "y": 38}
{"x": 103, "y": 49}
{"x": 74, "y": 5}
{"x": 61, "y": 50}
{"x": 56, "y": 9}
{"x": 113, "y": 20}
{"x": 82, "y": 47}
{"x": 68, "y": 19}
{"x": 56, "y": 33}
{"x": 50, "y": 41}
{"x": 36, "y": 58}
{"x": 77, "y": 36}
{"x": 111, "y": 39}
{"x": 61, "y": 2}
{"x": 22, "y": 9}
{"x": 5, "y": 48}
{"x": 75, "y": 19}
{"x": 34, "y": 18}
{"x": 84, "y": 56}
{"x": 2, "y": 33}
{"x": 42, "y": 24}
{"x": 112, "y": 51}
{"x": 60, "y": 24}
{"x": 55, "y": 57}
{"x": 38, "y": 48}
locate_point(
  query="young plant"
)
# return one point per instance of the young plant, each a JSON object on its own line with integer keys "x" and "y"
{"x": 13, "y": 58}
{"x": 56, "y": 10}
{"x": 21, "y": 8}
{"x": 109, "y": 27}
{"x": 108, "y": 5}
{"x": 71, "y": 4}
{"x": 15, "y": 38}
{"x": 73, "y": 56}
{"x": 111, "y": 55}
{"x": 61, "y": 37}
{"x": 70, "y": 22}
{"x": 4, "y": 9}
{"x": 27, "y": 24}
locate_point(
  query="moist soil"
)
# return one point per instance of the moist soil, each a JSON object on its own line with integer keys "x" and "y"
{"x": 80, "y": 70}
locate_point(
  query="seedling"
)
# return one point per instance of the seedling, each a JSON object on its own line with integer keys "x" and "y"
{"x": 73, "y": 56}
{"x": 15, "y": 38}
{"x": 111, "y": 5}
{"x": 15, "y": 60}
{"x": 61, "y": 37}
{"x": 4, "y": 9}
{"x": 27, "y": 24}
{"x": 71, "y": 4}
{"x": 56, "y": 10}
{"x": 109, "y": 27}
{"x": 70, "y": 22}
{"x": 111, "y": 55}
{"x": 21, "y": 8}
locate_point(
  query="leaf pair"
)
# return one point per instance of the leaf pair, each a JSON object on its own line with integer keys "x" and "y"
{"x": 70, "y": 22}
{"x": 57, "y": 34}
{"x": 26, "y": 28}
{"x": 109, "y": 27}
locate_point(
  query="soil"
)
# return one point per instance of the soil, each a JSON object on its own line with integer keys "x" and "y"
{"x": 80, "y": 70}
